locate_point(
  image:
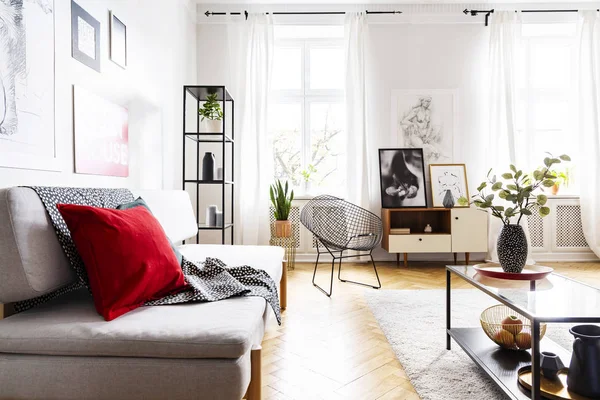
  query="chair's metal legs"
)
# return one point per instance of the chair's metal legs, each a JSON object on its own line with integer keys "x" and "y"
{"x": 315, "y": 274}
{"x": 361, "y": 283}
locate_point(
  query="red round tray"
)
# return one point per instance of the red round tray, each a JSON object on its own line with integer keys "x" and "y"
{"x": 529, "y": 273}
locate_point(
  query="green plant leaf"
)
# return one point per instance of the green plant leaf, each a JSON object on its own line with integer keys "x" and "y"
{"x": 507, "y": 175}
{"x": 543, "y": 211}
{"x": 548, "y": 183}
{"x": 489, "y": 198}
{"x": 565, "y": 157}
{"x": 502, "y": 194}
{"x": 482, "y": 186}
{"x": 463, "y": 201}
{"x": 525, "y": 211}
{"x": 513, "y": 168}
{"x": 518, "y": 174}
{"x": 548, "y": 162}
{"x": 478, "y": 203}
{"x": 489, "y": 172}
{"x": 499, "y": 208}
{"x": 538, "y": 175}
{"x": 541, "y": 199}
{"x": 497, "y": 186}
{"x": 556, "y": 161}
{"x": 511, "y": 187}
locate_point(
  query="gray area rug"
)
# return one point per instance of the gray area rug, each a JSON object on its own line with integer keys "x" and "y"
{"x": 414, "y": 322}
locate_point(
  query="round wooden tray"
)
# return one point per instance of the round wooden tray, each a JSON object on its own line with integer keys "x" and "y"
{"x": 529, "y": 273}
{"x": 553, "y": 390}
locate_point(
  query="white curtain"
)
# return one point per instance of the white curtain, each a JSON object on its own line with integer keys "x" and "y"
{"x": 251, "y": 47}
{"x": 588, "y": 90}
{"x": 505, "y": 146}
{"x": 362, "y": 168}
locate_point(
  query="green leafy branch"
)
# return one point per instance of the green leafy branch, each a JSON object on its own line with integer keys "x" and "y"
{"x": 211, "y": 109}
{"x": 518, "y": 190}
{"x": 281, "y": 201}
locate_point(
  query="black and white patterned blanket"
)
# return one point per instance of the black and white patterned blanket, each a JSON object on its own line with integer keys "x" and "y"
{"x": 211, "y": 280}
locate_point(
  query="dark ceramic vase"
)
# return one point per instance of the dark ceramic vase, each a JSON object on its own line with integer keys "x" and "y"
{"x": 584, "y": 371}
{"x": 208, "y": 167}
{"x": 448, "y": 201}
{"x": 512, "y": 248}
{"x": 550, "y": 364}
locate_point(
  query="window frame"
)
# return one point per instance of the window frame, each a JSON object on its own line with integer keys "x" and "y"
{"x": 306, "y": 96}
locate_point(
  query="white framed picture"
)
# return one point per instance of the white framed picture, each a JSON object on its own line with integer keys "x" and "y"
{"x": 425, "y": 119}
{"x": 27, "y": 134}
{"x": 448, "y": 184}
{"x": 118, "y": 41}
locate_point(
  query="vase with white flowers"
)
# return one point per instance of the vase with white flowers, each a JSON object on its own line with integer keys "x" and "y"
{"x": 519, "y": 195}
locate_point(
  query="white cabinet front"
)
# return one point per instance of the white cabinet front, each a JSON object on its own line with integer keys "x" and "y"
{"x": 469, "y": 230}
{"x": 426, "y": 243}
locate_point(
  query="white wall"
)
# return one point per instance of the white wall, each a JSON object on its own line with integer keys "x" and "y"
{"x": 161, "y": 58}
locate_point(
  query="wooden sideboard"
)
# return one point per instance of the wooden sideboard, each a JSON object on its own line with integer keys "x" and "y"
{"x": 455, "y": 230}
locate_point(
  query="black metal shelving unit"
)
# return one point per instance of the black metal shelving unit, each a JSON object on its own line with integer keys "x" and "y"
{"x": 198, "y": 94}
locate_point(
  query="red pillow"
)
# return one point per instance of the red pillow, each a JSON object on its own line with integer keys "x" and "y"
{"x": 126, "y": 254}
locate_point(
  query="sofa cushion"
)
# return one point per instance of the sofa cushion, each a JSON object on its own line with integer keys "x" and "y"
{"x": 267, "y": 258}
{"x": 70, "y": 326}
{"x": 127, "y": 256}
{"x": 32, "y": 263}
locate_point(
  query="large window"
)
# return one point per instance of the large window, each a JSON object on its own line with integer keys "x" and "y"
{"x": 545, "y": 95}
{"x": 307, "y": 111}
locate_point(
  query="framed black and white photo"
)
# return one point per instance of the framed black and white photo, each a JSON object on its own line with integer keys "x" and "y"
{"x": 448, "y": 184}
{"x": 85, "y": 37}
{"x": 118, "y": 41}
{"x": 402, "y": 175}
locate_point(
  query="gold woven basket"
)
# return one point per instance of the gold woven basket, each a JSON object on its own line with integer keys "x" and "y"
{"x": 511, "y": 336}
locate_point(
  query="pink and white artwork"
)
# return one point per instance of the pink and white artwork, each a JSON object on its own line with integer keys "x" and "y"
{"x": 101, "y": 131}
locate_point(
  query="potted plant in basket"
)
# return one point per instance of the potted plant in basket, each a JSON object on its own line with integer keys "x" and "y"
{"x": 212, "y": 115}
{"x": 282, "y": 203}
{"x": 520, "y": 196}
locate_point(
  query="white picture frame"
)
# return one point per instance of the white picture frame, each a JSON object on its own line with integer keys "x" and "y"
{"x": 448, "y": 177}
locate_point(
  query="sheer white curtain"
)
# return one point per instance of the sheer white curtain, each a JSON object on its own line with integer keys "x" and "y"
{"x": 505, "y": 146}
{"x": 362, "y": 167}
{"x": 588, "y": 89}
{"x": 251, "y": 47}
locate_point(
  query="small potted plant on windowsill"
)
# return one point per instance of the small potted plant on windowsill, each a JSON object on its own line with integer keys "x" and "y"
{"x": 282, "y": 203}
{"x": 520, "y": 196}
{"x": 212, "y": 115}
{"x": 563, "y": 178}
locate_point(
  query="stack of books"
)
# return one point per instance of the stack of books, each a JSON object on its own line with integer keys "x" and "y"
{"x": 399, "y": 231}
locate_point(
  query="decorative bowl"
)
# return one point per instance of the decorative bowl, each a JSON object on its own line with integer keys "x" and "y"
{"x": 507, "y": 328}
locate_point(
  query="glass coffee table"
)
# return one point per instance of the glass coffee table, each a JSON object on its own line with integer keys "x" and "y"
{"x": 554, "y": 299}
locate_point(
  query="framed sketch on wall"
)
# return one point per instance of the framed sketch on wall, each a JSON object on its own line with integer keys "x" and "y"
{"x": 101, "y": 131}
{"x": 425, "y": 119}
{"x": 118, "y": 41}
{"x": 448, "y": 184}
{"x": 27, "y": 133}
{"x": 402, "y": 176}
{"x": 85, "y": 37}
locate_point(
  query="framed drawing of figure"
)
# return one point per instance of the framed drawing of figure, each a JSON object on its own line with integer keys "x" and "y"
{"x": 402, "y": 175}
{"x": 448, "y": 184}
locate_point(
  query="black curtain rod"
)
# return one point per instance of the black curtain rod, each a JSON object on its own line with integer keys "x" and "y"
{"x": 245, "y": 13}
{"x": 489, "y": 12}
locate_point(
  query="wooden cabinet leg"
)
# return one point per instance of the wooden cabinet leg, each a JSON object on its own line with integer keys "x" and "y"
{"x": 398, "y": 259}
{"x": 254, "y": 389}
{"x": 454, "y": 258}
{"x": 467, "y": 258}
{"x": 405, "y": 260}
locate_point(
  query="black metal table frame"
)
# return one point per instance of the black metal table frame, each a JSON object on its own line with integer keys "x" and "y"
{"x": 535, "y": 324}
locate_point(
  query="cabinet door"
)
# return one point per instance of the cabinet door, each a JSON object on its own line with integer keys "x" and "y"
{"x": 469, "y": 230}
{"x": 415, "y": 243}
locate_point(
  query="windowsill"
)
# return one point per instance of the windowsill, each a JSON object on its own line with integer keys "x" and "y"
{"x": 563, "y": 196}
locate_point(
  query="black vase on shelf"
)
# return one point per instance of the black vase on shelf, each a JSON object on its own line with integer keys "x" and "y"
{"x": 512, "y": 248}
{"x": 584, "y": 370}
{"x": 448, "y": 201}
{"x": 208, "y": 167}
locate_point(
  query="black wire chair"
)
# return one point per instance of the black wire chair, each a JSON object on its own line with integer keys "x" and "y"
{"x": 339, "y": 226}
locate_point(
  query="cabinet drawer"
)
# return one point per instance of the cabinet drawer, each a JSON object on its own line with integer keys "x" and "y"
{"x": 420, "y": 243}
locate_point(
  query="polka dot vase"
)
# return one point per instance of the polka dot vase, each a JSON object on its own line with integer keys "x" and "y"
{"x": 512, "y": 248}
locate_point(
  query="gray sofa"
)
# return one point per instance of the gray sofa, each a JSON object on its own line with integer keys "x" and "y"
{"x": 64, "y": 350}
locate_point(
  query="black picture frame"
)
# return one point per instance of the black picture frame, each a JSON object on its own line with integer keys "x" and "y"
{"x": 82, "y": 52}
{"x": 118, "y": 41}
{"x": 402, "y": 178}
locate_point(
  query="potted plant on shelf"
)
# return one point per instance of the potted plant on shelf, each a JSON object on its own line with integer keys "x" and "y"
{"x": 212, "y": 115}
{"x": 563, "y": 178}
{"x": 520, "y": 195}
{"x": 282, "y": 203}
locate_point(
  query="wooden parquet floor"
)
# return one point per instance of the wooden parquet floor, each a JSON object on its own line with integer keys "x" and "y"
{"x": 332, "y": 348}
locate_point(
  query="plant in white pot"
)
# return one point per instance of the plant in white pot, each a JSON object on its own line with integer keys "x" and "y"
{"x": 282, "y": 204}
{"x": 520, "y": 195}
{"x": 212, "y": 115}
